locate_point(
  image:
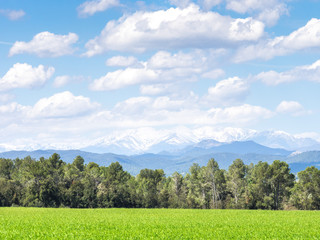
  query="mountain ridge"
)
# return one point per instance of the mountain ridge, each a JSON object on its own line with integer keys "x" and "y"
{"x": 137, "y": 143}
{"x": 181, "y": 159}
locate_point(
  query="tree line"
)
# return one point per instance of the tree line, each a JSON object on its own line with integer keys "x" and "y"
{"x": 53, "y": 183}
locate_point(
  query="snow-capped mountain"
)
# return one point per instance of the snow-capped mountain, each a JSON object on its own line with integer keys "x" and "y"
{"x": 280, "y": 139}
{"x": 152, "y": 140}
{"x": 149, "y": 140}
{"x": 223, "y": 153}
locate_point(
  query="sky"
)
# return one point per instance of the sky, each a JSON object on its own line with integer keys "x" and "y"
{"x": 77, "y": 73}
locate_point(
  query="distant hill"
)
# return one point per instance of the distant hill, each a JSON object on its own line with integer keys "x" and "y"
{"x": 181, "y": 159}
{"x": 237, "y": 147}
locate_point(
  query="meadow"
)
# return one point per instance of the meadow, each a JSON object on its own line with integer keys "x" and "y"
{"x": 50, "y": 223}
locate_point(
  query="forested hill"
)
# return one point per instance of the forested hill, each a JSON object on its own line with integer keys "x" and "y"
{"x": 181, "y": 159}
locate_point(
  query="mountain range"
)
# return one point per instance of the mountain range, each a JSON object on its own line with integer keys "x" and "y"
{"x": 180, "y": 159}
{"x": 150, "y": 141}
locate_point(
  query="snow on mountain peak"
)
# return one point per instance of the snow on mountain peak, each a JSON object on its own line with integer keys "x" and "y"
{"x": 144, "y": 140}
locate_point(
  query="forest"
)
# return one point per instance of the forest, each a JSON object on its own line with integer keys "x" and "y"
{"x": 51, "y": 182}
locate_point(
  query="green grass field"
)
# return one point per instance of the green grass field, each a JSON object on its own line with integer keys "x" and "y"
{"x": 41, "y": 223}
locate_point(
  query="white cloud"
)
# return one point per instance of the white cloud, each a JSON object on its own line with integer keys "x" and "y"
{"x": 214, "y": 74}
{"x": 23, "y": 75}
{"x": 245, "y": 6}
{"x": 268, "y": 11}
{"x": 180, "y": 3}
{"x": 243, "y": 114}
{"x": 270, "y": 16}
{"x": 162, "y": 68}
{"x": 6, "y": 97}
{"x": 291, "y": 107}
{"x": 123, "y": 78}
{"x": 300, "y": 73}
{"x": 165, "y": 60}
{"x": 305, "y": 37}
{"x": 208, "y": 4}
{"x": 121, "y": 61}
{"x": 178, "y": 67}
{"x": 155, "y": 89}
{"x": 174, "y": 28}
{"x": 62, "y": 105}
{"x": 275, "y": 78}
{"x": 176, "y": 89}
{"x": 63, "y": 80}
{"x": 60, "y": 81}
{"x": 46, "y": 124}
{"x": 166, "y": 111}
{"x": 166, "y": 103}
{"x": 231, "y": 91}
{"x": 46, "y": 44}
{"x": 12, "y": 114}
{"x": 89, "y": 8}
{"x": 11, "y": 108}
{"x": 133, "y": 106}
{"x": 12, "y": 14}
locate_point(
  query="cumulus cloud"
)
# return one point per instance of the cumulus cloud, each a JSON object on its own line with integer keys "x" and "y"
{"x": 244, "y": 114}
{"x": 167, "y": 103}
{"x": 6, "y": 97}
{"x": 174, "y": 28}
{"x": 165, "y": 111}
{"x": 46, "y": 124}
{"x": 62, "y": 105}
{"x": 12, "y": 114}
{"x": 291, "y": 107}
{"x": 247, "y": 6}
{"x": 11, "y": 108}
{"x": 208, "y": 4}
{"x": 164, "y": 59}
{"x": 123, "y": 78}
{"x": 231, "y": 91}
{"x": 305, "y": 37}
{"x": 65, "y": 114}
{"x": 162, "y": 68}
{"x": 60, "y": 81}
{"x": 178, "y": 66}
{"x": 300, "y": 73}
{"x": 121, "y": 61}
{"x": 155, "y": 89}
{"x": 133, "y": 106}
{"x": 59, "y": 108}
{"x": 268, "y": 11}
{"x": 270, "y": 16}
{"x": 12, "y": 14}
{"x": 89, "y": 8}
{"x": 23, "y": 75}
{"x": 180, "y": 3}
{"x": 46, "y": 44}
{"x": 213, "y": 74}
{"x": 63, "y": 80}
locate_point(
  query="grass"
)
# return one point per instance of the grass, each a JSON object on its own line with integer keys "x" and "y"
{"x": 41, "y": 223}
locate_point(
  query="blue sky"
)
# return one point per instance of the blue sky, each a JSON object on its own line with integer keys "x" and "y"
{"x": 79, "y": 73}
